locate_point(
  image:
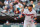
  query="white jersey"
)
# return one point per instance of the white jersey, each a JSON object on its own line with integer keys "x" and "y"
{"x": 29, "y": 15}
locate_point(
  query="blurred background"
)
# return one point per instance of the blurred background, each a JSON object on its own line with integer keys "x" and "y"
{"x": 10, "y": 9}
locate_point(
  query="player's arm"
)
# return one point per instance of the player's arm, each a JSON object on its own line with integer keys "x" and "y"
{"x": 35, "y": 15}
{"x": 22, "y": 15}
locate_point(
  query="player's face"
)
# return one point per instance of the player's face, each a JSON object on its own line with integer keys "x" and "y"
{"x": 29, "y": 7}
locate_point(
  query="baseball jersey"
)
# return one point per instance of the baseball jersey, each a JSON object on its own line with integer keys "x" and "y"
{"x": 29, "y": 15}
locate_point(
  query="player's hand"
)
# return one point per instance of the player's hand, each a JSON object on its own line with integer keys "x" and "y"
{"x": 35, "y": 18}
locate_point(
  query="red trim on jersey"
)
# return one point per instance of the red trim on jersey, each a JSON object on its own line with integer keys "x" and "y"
{"x": 28, "y": 14}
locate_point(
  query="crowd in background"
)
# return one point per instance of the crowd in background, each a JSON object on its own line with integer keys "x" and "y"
{"x": 18, "y": 6}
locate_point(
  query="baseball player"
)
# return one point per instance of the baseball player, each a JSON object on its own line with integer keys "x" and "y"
{"x": 29, "y": 15}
